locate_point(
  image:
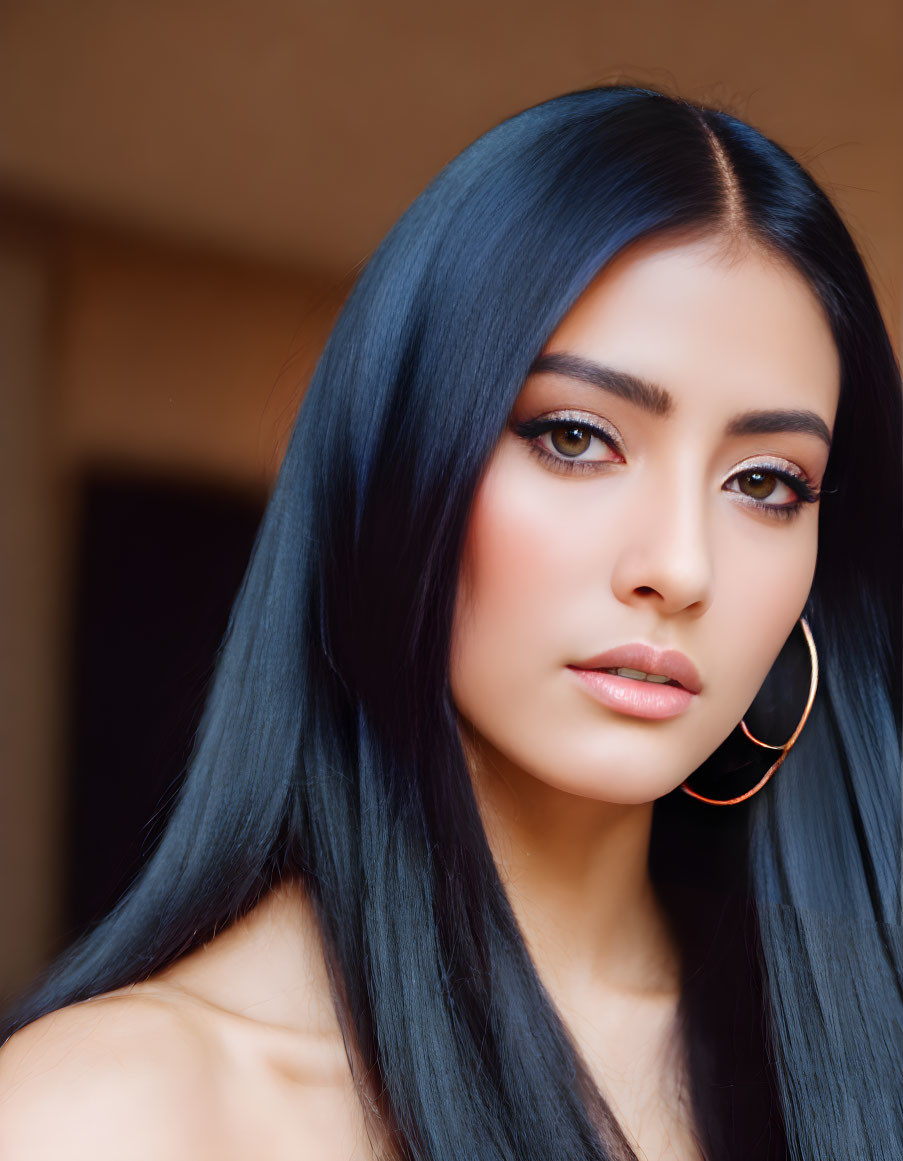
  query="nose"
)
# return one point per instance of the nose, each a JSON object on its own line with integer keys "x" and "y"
{"x": 666, "y": 558}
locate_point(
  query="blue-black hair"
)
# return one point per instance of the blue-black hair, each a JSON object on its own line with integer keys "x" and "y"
{"x": 329, "y": 747}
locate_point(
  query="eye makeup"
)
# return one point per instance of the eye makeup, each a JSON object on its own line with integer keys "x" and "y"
{"x": 757, "y": 472}
{"x": 532, "y": 430}
{"x": 764, "y": 468}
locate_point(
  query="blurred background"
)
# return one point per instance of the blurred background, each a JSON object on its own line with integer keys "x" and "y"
{"x": 187, "y": 191}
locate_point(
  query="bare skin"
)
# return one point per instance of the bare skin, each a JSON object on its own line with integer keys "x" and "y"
{"x": 234, "y": 1052}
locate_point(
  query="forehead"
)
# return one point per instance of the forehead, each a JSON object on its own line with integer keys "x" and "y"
{"x": 714, "y": 328}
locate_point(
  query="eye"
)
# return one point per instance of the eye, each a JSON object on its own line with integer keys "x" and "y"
{"x": 572, "y": 440}
{"x": 772, "y": 490}
{"x": 569, "y": 443}
{"x": 759, "y": 484}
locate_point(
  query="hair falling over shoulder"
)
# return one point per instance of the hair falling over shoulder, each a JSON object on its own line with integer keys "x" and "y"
{"x": 329, "y": 747}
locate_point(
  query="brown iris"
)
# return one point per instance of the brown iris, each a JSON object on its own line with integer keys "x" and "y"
{"x": 570, "y": 439}
{"x": 760, "y": 484}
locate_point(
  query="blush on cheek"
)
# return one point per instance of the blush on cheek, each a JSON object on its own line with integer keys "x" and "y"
{"x": 505, "y": 596}
{"x": 513, "y": 553}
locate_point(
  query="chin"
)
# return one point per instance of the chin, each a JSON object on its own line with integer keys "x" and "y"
{"x": 617, "y": 792}
{"x": 598, "y": 781}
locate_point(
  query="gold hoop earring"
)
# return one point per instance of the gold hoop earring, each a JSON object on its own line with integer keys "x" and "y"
{"x": 785, "y": 749}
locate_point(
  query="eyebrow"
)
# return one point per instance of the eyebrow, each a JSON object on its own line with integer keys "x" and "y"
{"x": 656, "y": 400}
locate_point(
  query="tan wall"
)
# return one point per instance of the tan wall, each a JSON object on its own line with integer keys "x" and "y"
{"x": 181, "y": 361}
{"x": 30, "y": 636}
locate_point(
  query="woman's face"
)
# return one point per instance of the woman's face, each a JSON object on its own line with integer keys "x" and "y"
{"x": 619, "y": 508}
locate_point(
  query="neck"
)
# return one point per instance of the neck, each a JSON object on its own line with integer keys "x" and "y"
{"x": 576, "y": 873}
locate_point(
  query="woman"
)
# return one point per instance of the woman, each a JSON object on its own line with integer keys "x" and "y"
{"x": 613, "y": 394}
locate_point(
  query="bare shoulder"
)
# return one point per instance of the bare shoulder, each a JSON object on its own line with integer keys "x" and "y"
{"x": 119, "y": 1076}
{"x": 232, "y": 1053}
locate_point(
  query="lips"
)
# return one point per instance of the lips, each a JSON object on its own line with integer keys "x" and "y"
{"x": 669, "y": 663}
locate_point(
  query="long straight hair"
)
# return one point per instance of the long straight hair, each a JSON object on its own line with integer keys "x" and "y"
{"x": 329, "y": 748}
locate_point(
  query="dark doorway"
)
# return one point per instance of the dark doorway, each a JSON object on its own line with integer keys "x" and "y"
{"x": 159, "y": 562}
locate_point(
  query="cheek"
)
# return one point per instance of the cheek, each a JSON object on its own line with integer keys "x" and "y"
{"x": 517, "y": 575}
{"x": 763, "y": 595}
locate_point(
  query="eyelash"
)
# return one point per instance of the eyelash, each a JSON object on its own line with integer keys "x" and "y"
{"x": 530, "y": 431}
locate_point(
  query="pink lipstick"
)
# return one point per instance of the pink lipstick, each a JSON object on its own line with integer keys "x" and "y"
{"x": 658, "y": 683}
